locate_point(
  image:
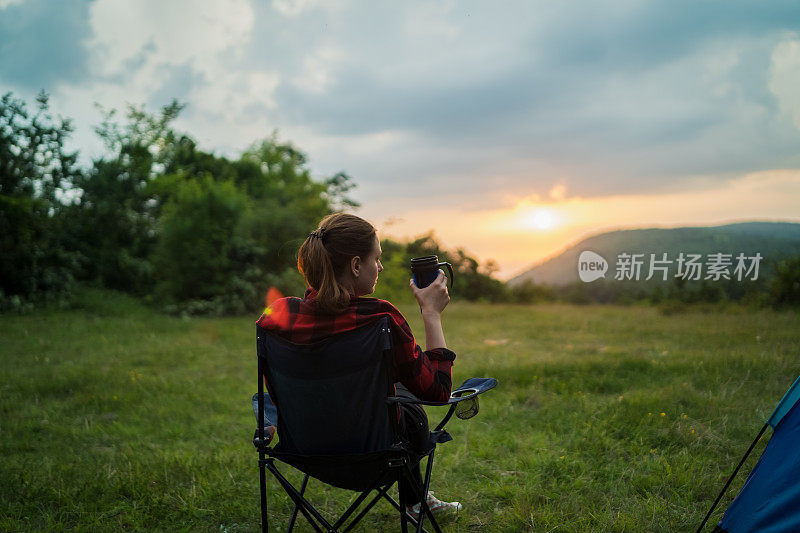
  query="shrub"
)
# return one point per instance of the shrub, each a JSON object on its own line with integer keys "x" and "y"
{"x": 784, "y": 290}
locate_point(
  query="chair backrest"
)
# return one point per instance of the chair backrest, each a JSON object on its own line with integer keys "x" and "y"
{"x": 331, "y": 395}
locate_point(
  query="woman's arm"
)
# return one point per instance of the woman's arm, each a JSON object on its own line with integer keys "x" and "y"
{"x": 428, "y": 374}
{"x": 434, "y": 334}
{"x": 432, "y": 301}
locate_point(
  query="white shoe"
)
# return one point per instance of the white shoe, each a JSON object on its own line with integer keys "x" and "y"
{"x": 435, "y": 505}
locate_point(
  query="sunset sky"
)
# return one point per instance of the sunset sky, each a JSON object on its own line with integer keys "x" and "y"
{"x": 510, "y": 129}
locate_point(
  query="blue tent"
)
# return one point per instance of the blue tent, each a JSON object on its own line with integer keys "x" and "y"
{"x": 770, "y": 498}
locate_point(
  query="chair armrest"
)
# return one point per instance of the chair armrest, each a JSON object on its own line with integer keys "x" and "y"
{"x": 269, "y": 433}
{"x": 469, "y": 389}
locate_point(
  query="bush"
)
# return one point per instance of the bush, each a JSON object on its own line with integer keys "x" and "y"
{"x": 529, "y": 292}
{"x": 784, "y": 290}
{"x": 194, "y": 254}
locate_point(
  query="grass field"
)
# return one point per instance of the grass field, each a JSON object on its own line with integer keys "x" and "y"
{"x": 605, "y": 419}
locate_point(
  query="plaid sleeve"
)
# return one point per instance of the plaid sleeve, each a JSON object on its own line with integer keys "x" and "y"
{"x": 426, "y": 374}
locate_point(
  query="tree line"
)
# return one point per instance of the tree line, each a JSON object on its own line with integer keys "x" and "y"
{"x": 193, "y": 232}
{"x": 781, "y": 289}
{"x": 185, "y": 229}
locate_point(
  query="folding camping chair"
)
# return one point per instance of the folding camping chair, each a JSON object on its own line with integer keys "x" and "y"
{"x": 337, "y": 421}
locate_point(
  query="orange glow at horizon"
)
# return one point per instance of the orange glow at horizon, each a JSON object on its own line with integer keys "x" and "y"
{"x": 530, "y": 229}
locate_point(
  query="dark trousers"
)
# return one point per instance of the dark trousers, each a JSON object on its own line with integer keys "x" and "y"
{"x": 415, "y": 431}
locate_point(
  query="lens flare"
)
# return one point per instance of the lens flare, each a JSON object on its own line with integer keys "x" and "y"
{"x": 272, "y": 296}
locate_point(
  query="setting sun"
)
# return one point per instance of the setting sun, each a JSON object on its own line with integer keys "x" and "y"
{"x": 541, "y": 219}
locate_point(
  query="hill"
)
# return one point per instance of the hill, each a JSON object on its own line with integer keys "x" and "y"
{"x": 772, "y": 240}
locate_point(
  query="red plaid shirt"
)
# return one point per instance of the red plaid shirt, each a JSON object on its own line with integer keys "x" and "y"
{"x": 427, "y": 374}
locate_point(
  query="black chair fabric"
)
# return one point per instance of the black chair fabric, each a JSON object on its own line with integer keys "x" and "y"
{"x": 333, "y": 419}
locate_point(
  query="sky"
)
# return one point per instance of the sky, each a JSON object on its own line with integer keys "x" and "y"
{"x": 509, "y": 129}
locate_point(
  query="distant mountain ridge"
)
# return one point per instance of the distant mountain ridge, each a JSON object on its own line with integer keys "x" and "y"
{"x": 773, "y": 240}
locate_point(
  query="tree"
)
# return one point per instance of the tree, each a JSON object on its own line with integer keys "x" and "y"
{"x": 339, "y": 185}
{"x": 36, "y": 263}
{"x": 194, "y": 257}
{"x": 156, "y": 215}
{"x": 243, "y": 251}
{"x": 287, "y": 203}
{"x": 116, "y": 221}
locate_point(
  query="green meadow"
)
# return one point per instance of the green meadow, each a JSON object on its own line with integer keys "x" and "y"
{"x": 606, "y": 418}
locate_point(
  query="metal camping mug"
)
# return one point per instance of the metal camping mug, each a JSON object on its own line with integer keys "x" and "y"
{"x": 426, "y": 269}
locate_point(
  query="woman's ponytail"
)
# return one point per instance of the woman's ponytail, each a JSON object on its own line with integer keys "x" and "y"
{"x": 326, "y": 253}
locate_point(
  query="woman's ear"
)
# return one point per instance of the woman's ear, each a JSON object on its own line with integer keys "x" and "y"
{"x": 355, "y": 265}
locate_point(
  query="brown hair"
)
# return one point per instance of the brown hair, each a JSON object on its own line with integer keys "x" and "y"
{"x": 326, "y": 254}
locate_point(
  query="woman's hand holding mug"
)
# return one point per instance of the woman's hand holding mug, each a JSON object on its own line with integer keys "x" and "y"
{"x": 429, "y": 285}
{"x": 433, "y": 298}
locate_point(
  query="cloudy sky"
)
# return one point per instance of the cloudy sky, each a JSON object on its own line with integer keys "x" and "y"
{"x": 511, "y": 129}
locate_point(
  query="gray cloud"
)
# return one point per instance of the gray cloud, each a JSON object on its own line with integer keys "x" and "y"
{"x": 177, "y": 83}
{"x": 42, "y": 43}
{"x": 619, "y": 95}
{"x": 611, "y": 97}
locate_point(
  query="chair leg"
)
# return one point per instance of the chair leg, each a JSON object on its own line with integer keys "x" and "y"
{"x": 423, "y": 503}
{"x": 306, "y": 508}
{"x": 294, "y": 512}
{"x": 263, "y": 485}
{"x": 381, "y": 494}
{"x": 396, "y": 505}
{"x": 403, "y": 517}
{"x": 353, "y": 506}
{"x": 302, "y": 505}
{"x": 425, "y": 487}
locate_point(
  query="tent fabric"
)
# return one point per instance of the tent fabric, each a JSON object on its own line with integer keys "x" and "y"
{"x": 769, "y": 502}
{"x": 787, "y": 402}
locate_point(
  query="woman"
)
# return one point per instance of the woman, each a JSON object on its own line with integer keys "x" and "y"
{"x": 340, "y": 262}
